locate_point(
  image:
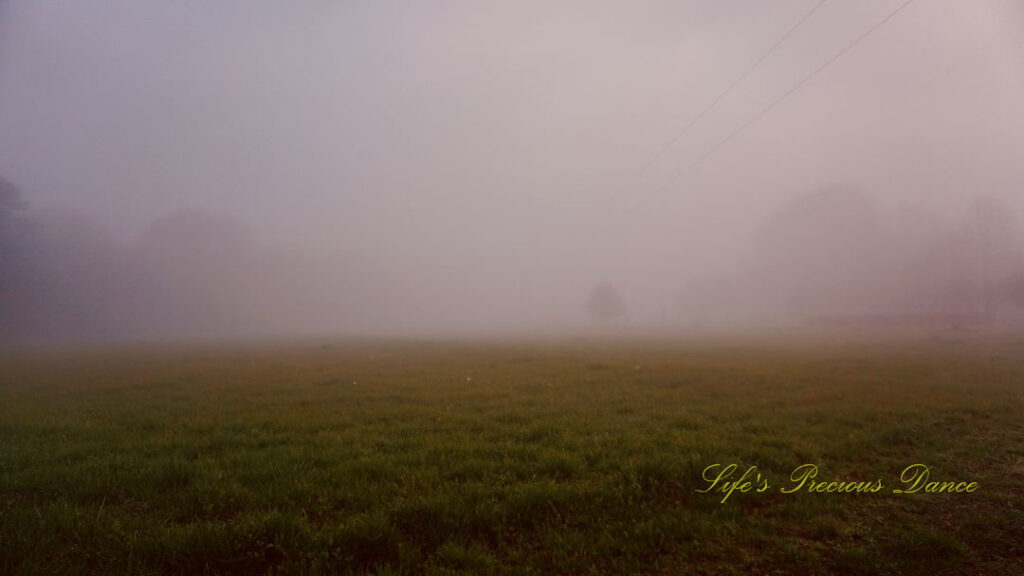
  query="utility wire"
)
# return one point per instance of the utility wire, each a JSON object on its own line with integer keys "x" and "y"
{"x": 765, "y": 110}
{"x": 794, "y": 89}
{"x": 721, "y": 95}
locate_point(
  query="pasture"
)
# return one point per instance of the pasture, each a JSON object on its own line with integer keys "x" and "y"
{"x": 509, "y": 457}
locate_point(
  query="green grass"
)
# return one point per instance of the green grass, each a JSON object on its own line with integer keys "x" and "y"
{"x": 574, "y": 457}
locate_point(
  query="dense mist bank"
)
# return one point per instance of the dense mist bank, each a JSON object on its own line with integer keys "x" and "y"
{"x": 833, "y": 257}
{"x": 189, "y": 274}
{"x": 524, "y": 168}
{"x": 828, "y": 257}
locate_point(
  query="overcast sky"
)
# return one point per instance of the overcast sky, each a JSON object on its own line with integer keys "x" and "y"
{"x": 482, "y": 147}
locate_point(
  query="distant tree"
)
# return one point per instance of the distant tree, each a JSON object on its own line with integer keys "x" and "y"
{"x": 605, "y": 303}
{"x": 17, "y": 246}
{"x": 989, "y": 238}
{"x": 10, "y": 200}
{"x": 12, "y": 229}
{"x": 1012, "y": 290}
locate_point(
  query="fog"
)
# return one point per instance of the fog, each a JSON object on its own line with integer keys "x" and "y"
{"x": 182, "y": 169}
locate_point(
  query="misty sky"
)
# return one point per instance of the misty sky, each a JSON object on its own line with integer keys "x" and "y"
{"x": 486, "y": 151}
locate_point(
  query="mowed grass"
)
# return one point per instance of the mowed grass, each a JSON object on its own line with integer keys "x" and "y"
{"x": 572, "y": 457}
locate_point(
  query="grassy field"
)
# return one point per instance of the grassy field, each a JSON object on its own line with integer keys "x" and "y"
{"x": 570, "y": 457}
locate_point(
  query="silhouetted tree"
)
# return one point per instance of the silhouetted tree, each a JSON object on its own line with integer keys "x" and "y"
{"x": 988, "y": 237}
{"x": 10, "y": 199}
{"x": 16, "y": 248}
{"x": 12, "y": 230}
{"x": 1012, "y": 290}
{"x": 605, "y": 303}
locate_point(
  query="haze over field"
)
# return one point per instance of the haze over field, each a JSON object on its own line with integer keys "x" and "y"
{"x": 192, "y": 168}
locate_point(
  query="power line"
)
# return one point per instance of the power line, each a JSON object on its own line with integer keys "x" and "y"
{"x": 798, "y": 86}
{"x": 739, "y": 79}
{"x": 765, "y": 110}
